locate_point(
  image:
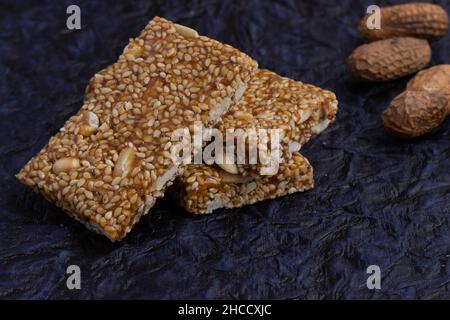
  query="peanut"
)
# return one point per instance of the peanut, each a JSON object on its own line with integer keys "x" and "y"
{"x": 124, "y": 162}
{"x": 230, "y": 168}
{"x": 185, "y": 31}
{"x": 227, "y": 165}
{"x": 244, "y": 116}
{"x": 235, "y": 178}
{"x": 65, "y": 164}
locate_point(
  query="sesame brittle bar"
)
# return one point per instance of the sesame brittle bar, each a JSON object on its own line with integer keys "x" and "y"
{"x": 271, "y": 101}
{"x": 109, "y": 162}
{"x": 202, "y": 189}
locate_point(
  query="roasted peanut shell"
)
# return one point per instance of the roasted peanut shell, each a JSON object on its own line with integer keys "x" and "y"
{"x": 390, "y": 59}
{"x": 419, "y": 20}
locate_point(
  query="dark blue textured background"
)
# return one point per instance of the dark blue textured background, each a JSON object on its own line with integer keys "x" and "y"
{"x": 377, "y": 200}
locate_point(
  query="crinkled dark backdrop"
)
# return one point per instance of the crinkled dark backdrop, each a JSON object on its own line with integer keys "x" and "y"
{"x": 377, "y": 200}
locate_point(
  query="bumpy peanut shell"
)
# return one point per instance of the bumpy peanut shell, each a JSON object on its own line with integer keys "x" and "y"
{"x": 436, "y": 78}
{"x": 414, "y": 113}
{"x": 389, "y": 59}
{"x": 420, "y": 20}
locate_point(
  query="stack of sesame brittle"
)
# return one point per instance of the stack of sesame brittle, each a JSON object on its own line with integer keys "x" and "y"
{"x": 110, "y": 162}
